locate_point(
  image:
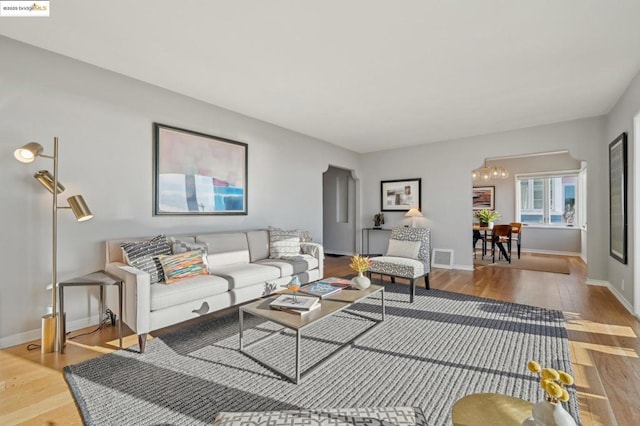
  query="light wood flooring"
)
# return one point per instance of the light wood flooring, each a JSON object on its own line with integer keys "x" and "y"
{"x": 603, "y": 337}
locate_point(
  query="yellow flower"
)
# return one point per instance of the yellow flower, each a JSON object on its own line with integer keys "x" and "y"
{"x": 554, "y": 390}
{"x": 550, "y": 373}
{"x": 544, "y": 383}
{"x": 565, "y": 396}
{"x": 565, "y": 378}
{"x": 533, "y": 366}
{"x": 360, "y": 263}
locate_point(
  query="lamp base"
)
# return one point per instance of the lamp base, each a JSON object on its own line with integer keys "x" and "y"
{"x": 48, "y": 334}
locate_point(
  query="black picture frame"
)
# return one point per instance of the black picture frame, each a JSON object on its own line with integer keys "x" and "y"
{"x": 198, "y": 174}
{"x": 618, "y": 198}
{"x": 401, "y": 195}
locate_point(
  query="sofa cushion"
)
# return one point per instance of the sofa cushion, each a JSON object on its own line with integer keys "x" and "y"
{"x": 179, "y": 266}
{"x": 225, "y": 249}
{"x": 283, "y": 243}
{"x": 397, "y": 266}
{"x": 401, "y": 416}
{"x": 164, "y": 296}
{"x": 243, "y": 275}
{"x": 399, "y": 248}
{"x": 258, "y": 244}
{"x": 292, "y": 265}
{"x": 143, "y": 255}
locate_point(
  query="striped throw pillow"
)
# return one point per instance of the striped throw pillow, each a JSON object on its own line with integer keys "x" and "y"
{"x": 284, "y": 243}
{"x": 143, "y": 255}
{"x": 183, "y": 265}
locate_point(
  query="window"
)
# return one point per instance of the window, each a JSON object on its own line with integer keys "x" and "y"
{"x": 548, "y": 199}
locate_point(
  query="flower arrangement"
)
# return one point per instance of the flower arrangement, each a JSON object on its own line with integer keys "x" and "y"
{"x": 360, "y": 263}
{"x": 552, "y": 382}
{"x": 486, "y": 215}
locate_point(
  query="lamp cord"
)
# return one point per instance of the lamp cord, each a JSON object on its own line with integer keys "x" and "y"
{"x": 105, "y": 321}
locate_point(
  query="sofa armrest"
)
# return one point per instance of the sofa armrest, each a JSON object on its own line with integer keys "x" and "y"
{"x": 136, "y": 298}
{"x": 316, "y": 250}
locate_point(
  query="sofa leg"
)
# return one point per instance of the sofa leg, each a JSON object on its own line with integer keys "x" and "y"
{"x": 393, "y": 279}
{"x": 142, "y": 341}
{"x": 426, "y": 282}
{"x": 412, "y": 290}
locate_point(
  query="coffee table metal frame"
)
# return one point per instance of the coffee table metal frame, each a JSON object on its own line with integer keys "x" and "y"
{"x": 329, "y": 306}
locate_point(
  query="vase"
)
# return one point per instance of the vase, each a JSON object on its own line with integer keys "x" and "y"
{"x": 360, "y": 281}
{"x": 547, "y": 413}
{"x": 483, "y": 224}
{"x": 490, "y": 225}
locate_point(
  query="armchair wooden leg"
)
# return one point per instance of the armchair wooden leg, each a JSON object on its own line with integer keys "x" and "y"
{"x": 142, "y": 341}
{"x": 412, "y": 290}
{"x": 426, "y": 282}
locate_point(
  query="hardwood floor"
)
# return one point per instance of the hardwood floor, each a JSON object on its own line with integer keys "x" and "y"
{"x": 603, "y": 337}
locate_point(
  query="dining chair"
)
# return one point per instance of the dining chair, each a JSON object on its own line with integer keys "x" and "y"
{"x": 501, "y": 235}
{"x": 517, "y": 230}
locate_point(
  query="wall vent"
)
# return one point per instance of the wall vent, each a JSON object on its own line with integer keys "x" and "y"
{"x": 442, "y": 258}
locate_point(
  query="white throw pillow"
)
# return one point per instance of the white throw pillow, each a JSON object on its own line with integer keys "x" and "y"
{"x": 398, "y": 248}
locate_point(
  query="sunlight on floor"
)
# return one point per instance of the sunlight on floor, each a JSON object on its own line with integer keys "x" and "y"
{"x": 583, "y": 348}
{"x": 596, "y": 327}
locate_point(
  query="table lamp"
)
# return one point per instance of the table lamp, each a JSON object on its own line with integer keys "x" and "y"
{"x": 413, "y": 213}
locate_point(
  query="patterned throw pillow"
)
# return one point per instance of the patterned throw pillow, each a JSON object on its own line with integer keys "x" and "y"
{"x": 181, "y": 246}
{"x": 283, "y": 243}
{"x": 183, "y": 265}
{"x": 143, "y": 255}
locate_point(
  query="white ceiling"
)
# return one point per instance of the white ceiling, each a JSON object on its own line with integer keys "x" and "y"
{"x": 367, "y": 75}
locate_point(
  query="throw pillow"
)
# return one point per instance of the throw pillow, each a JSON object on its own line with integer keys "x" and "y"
{"x": 399, "y": 248}
{"x": 181, "y": 246}
{"x": 179, "y": 266}
{"x": 283, "y": 243}
{"x": 144, "y": 255}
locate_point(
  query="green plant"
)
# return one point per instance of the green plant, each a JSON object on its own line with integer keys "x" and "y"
{"x": 486, "y": 215}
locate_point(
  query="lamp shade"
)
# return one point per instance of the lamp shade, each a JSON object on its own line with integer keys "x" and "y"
{"x": 46, "y": 179}
{"x": 79, "y": 208}
{"x": 414, "y": 213}
{"x": 27, "y": 153}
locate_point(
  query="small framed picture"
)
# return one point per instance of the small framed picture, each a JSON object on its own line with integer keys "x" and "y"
{"x": 484, "y": 197}
{"x": 401, "y": 195}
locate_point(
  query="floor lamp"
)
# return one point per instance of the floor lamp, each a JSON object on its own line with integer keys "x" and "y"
{"x": 27, "y": 154}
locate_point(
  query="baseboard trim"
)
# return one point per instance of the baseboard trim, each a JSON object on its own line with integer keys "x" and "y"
{"x": 614, "y": 291}
{"x": 28, "y": 336}
{"x": 463, "y": 267}
{"x": 340, "y": 253}
{"x": 557, "y": 253}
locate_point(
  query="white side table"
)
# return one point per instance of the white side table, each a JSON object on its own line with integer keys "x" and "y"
{"x": 99, "y": 278}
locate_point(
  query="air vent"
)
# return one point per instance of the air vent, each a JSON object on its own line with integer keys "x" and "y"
{"x": 442, "y": 258}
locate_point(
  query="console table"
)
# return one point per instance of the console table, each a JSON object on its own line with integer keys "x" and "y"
{"x": 367, "y": 231}
{"x": 99, "y": 278}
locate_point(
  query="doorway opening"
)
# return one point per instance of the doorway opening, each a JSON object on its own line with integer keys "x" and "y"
{"x": 339, "y": 188}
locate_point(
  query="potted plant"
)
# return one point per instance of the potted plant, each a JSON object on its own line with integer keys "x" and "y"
{"x": 487, "y": 217}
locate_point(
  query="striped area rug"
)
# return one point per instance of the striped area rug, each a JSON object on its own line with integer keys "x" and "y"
{"x": 427, "y": 354}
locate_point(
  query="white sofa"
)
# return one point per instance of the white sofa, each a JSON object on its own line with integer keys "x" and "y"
{"x": 239, "y": 270}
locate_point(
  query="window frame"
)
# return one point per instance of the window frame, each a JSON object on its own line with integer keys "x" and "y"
{"x": 546, "y": 208}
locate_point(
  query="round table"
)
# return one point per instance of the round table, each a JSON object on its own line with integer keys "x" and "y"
{"x": 490, "y": 409}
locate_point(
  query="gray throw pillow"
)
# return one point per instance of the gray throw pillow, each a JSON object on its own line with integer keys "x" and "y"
{"x": 143, "y": 255}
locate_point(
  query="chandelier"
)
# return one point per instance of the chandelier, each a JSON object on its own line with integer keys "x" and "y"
{"x": 486, "y": 173}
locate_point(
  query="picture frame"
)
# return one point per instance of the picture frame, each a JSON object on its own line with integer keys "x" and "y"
{"x": 198, "y": 174}
{"x": 400, "y": 195}
{"x": 484, "y": 197}
{"x": 618, "y": 198}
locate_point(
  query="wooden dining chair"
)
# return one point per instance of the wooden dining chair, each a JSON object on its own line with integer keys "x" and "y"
{"x": 516, "y": 229}
{"x": 501, "y": 235}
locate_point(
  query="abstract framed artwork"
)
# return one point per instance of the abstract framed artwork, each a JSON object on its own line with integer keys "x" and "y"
{"x": 618, "y": 198}
{"x": 198, "y": 174}
{"x": 401, "y": 195}
{"x": 484, "y": 197}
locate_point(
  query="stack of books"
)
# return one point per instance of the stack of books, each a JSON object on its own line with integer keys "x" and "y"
{"x": 297, "y": 305}
{"x": 326, "y": 287}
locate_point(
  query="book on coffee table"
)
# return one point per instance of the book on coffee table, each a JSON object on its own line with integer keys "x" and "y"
{"x": 289, "y": 301}
{"x": 298, "y": 312}
{"x": 324, "y": 288}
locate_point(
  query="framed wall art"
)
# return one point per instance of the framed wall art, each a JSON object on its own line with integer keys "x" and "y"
{"x": 484, "y": 197}
{"x": 618, "y": 198}
{"x": 401, "y": 195}
{"x": 198, "y": 174}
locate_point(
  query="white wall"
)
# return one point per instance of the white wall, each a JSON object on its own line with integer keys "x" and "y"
{"x": 339, "y": 230}
{"x": 104, "y": 122}
{"x": 445, "y": 169}
{"x": 620, "y": 119}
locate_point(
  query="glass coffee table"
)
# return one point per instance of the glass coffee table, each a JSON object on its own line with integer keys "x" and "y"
{"x": 328, "y": 306}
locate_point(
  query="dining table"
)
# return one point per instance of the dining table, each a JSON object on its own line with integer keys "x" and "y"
{"x": 486, "y": 231}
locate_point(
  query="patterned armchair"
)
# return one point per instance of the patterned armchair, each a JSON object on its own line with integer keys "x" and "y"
{"x": 407, "y": 257}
